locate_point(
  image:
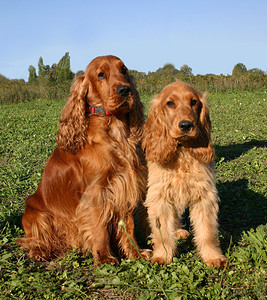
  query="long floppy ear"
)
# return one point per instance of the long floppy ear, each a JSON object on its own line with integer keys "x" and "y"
{"x": 158, "y": 145}
{"x": 136, "y": 115}
{"x": 202, "y": 148}
{"x": 72, "y": 123}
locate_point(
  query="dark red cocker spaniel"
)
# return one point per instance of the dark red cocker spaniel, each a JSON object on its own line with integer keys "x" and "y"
{"x": 94, "y": 178}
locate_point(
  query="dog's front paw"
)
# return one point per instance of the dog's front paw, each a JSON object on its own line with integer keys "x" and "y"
{"x": 161, "y": 260}
{"x": 216, "y": 262}
{"x": 146, "y": 253}
{"x": 111, "y": 260}
{"x": 181, "y": 234}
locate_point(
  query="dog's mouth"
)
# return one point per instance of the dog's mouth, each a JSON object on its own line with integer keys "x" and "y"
{"x": 123, "y": 107}
{"x": 188, "y": 135}
{"x": 182, "y": 136}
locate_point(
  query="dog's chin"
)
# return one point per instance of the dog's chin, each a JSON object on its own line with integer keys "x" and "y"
{"x": 123, "y": 108}
{"x": 184, "y": 137}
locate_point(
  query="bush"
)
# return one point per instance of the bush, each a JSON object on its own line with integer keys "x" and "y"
{"x": 15, "y": 91}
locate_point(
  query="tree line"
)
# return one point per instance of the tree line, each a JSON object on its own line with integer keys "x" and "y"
{"x": 241, "y": 79}
{"x": 53, "y": 82}
{"x": 57, "y": 73}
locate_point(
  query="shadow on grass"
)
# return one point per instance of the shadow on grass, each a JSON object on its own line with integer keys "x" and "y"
{"x": 11, "y": 223}
{"x": 233, "y": 151}
{"x": 241, "y": 208}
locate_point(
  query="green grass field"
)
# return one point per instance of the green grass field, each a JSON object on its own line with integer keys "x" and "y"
{"x": 27, "y": 138}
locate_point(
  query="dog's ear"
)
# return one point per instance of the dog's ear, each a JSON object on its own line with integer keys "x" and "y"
{"x": 136, "y": 115}
{"x": 158, "y": 145}
{"x": 204, "y": 116}
{"x": 73, "y": 124}
{"x": 202, "y": 148}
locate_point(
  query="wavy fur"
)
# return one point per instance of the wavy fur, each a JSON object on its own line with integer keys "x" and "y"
{"x": 94, "y": 178}
{"x": 180, "y": 173}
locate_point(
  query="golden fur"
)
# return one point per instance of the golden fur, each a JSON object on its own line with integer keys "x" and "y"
{"x": 180, "y": 173}
{"x": 94, "y": 178}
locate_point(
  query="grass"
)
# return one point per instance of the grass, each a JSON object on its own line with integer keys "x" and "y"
{"x": 27, "y": 138}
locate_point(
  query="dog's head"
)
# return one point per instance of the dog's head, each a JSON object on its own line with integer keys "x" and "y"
{"x": 178, "y": 116}
{"x": 106, "y": 83}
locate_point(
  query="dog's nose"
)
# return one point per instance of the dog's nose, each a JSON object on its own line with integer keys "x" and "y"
{"x": 123, "y": 90}
{"x": 186, "y": 126}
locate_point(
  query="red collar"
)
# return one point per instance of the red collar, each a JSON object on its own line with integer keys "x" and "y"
{"x": 96, "y": 110}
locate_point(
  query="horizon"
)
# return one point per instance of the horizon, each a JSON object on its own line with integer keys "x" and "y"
{"x": 146, "y": 73}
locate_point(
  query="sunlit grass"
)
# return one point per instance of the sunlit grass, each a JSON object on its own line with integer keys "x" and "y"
{"x": 27, "y": 138}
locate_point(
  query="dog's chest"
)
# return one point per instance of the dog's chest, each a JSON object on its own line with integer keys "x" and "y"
{"x": 113, "y": 170}
{"x": 124, "y": 177}
{"x": 179, "y": 180}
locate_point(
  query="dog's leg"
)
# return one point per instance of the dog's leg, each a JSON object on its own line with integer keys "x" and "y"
{"x": 127, "y": 240}
{"x": 203, "y": 216}
{"x": 163, "y": 225}
{"x": 40, "y": 240}
{"x": 180, "y": 233}
{"x": 93, "y": 233}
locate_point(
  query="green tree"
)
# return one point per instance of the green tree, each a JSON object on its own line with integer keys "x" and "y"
{"x": 53, "y": 74}
{"x": 43, "y": 72}
{"x": 32, "y": 74}
{"x": 79, "y": 73}
{"x": 256, "y": 71}
{"x": 64, "y": 71}
{"x": 186, "y": 70}
{"x": 64, "y": 61}
{"x": 41, "y": 67}
{"x": 169, "y": 69}
{"x": 3, "y": 78}
{"x": 239, "y": 69}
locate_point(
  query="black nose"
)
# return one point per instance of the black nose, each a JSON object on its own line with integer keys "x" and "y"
{"x": 185, "y": 125}
{"x": 123, "y": 90}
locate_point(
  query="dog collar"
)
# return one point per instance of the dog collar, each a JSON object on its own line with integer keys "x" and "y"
{"x": 97, "y": 110}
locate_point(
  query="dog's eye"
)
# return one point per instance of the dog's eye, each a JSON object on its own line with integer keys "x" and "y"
{"x": 171, "y": 104}
{"x": 193, "y": 102}
{"x": 123, "y": 70}
{"x": 102, "y": 75}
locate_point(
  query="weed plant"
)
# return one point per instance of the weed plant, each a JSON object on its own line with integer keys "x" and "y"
{"x": 27, "y": 138}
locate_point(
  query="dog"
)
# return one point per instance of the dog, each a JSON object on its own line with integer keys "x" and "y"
{"x": 94, "y": 178}
{"x": 180, "y": 158}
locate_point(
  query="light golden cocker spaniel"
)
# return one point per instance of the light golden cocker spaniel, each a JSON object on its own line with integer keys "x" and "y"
{"x": 180, "y": 173}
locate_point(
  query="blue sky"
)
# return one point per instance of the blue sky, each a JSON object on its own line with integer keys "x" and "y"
{"x": 209, "y": 36}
